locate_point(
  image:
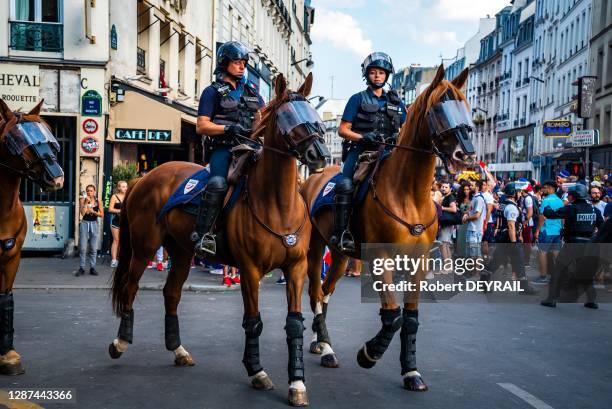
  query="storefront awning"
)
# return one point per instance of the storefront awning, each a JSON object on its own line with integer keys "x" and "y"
{"x": 140, "y": 119}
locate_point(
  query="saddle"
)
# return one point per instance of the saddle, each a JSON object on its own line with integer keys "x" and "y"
{"x": 243, "y": 156}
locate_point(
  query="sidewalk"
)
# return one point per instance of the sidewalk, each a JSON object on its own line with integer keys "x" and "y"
{"x": 57, "y": 273}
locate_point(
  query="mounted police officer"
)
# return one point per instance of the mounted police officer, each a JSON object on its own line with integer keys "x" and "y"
{"x": 370, "y": 116}
{"x": 581, "y": 220}
{"x": 227, "y": 111}
{"x": 509, "y": 227}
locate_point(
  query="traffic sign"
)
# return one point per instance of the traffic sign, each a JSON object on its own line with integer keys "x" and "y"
{"x": 585, "y": 138}
{"x": 90, "y": 126}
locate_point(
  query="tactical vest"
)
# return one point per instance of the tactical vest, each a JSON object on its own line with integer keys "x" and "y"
{"x": 503, "y": 226}
{"x": 385, "y": 120}
{"x": 230, "y": 111}
{"x": 581, "y": 222}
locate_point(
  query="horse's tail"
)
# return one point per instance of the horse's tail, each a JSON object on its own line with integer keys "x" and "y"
{"x": 121, "y": 274}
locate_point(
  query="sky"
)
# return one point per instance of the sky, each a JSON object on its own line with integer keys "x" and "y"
{"x": 410, "y": 31}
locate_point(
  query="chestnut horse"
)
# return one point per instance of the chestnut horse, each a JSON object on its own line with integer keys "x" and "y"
{"x": 267, "y": 228}
{"x": 27, "y": 150}
{"x": 397, "y": 209}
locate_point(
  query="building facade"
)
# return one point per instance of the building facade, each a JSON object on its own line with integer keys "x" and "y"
{"x": 64, "y": 63}
{"x": 409, "y": 82}
{"x": 601, "y": 66}
{"x": 331, "y": 111}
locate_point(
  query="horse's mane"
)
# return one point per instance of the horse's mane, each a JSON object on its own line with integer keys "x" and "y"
{"x": 422, "y": 104}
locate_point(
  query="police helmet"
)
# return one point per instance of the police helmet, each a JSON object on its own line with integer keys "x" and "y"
{"x": 579, "y": 191}
{"x": 231, "y": 51}
{"x": 377, "y": 60}
{"x": 510, "y": 189}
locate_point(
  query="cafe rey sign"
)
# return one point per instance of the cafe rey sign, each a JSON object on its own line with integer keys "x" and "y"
{"x": 142, "y": 135}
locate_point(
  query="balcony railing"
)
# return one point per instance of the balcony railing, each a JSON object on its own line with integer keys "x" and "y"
{"x": 141, "y": 60}
{"x": 31, "y": 36}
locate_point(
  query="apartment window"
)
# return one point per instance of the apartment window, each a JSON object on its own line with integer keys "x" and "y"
{"x": 609, "y": 66}
{"x": 603, "y": 14}
{"x": 37, "y": 25}
{"x": 600, "y": 61}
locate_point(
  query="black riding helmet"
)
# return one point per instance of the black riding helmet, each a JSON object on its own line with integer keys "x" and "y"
{"x": 510, "y": 189}
{"x": 231, "y": 51}
{"x": 377, "y": 60}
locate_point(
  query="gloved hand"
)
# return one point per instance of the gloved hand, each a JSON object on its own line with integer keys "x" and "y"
{"x": 234, "y": 130}
{"x": 369, "y": 137}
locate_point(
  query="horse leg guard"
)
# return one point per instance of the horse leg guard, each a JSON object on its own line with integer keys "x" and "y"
{"x": 126, "y": 327}
{"x": 10, "y": 362}
{"x": 172, "y": 333}
{"x": 410, "y": 326}
{"x": 252, "y": 330}
{"x": 374, "y": 349}
{"x": 319, "y": 326}
{"x": 294, "y": 328}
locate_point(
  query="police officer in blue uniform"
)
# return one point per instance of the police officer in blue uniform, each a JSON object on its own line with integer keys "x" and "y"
{"x": 370, "y": 116}
{"x": 581, "y": 220}
{"x": 227, "y": 111}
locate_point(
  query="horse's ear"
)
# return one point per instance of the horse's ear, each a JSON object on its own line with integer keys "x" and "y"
{"x": 37, "y": 108}
{"x": 280, "y": 86}
{"x": 438, "y": 78}
{"x": 5, "y": 111}
{"x": 460, "y": 79}
{"x": 306, "y": 87}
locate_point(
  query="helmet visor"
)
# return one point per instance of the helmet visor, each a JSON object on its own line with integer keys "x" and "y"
{"x": 295, "y": 113}
{"x": 378, "y": 60}
{"x": 236, "y": 51}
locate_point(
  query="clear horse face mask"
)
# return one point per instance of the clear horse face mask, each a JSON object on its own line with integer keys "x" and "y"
{"x": 36, "y": 136}
{"x": 452, "y": 115}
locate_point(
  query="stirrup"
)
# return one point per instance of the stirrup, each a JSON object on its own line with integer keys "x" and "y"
{"x": 349, "y": 237}
{"x": 207, "y": 244}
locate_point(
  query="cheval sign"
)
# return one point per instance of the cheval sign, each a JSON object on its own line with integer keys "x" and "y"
{"x": 19, "y": 85}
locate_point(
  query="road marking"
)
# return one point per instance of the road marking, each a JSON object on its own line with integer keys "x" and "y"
{"x": 526, "y": 396}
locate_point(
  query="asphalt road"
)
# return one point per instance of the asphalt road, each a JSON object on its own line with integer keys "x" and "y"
{"x": 472, "y": 355}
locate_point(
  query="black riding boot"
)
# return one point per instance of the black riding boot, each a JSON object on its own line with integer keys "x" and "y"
{"x": 210, "y": 206}
{"x": 342, "y": 237}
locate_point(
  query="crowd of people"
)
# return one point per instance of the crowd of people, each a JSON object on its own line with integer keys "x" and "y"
{"x": 477, "y": 210}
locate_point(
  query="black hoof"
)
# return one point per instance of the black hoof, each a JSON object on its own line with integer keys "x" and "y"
{"x": 550, "y": 304}
{"x": 330, "y": 361}
{"x": 363, "y": 360}
{"x": 592, "y": 305}
{"x": 315, "y": 348}
{"x": 113, "y": 351}
{"x": 12, "y": 369}
{"x": 415, "y": 383}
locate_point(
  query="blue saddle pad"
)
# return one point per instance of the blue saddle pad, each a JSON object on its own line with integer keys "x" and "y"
{"x": 327, "y": 195}
{"x": 189, "y": 194}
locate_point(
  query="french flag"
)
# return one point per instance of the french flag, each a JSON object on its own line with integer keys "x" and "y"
{"x": 326, "y": 263}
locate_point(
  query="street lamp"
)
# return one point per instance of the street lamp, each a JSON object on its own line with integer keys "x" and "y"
{"x": 309, "y": 62}
{"x": 322, "y": 100}
{"x": 479, "y": 120}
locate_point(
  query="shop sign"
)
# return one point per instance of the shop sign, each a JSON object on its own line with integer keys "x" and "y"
{"x": 126, "y": 134}
{"x": 585, "y": 138}
{"x": 557, "y": 129}
{"x": 19, "y": 85}
{"x": 159, "y": 135}
{"x": 90, "y": 145}
{"x": 91, "y": 103}
{"x": 90, "y": 126}
{"x": 113, "y": 37}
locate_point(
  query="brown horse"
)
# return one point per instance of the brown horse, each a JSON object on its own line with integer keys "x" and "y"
{"x": 397, "y": 209}
{"x": 27, "y": 150}
{"x": 267, "y": 228}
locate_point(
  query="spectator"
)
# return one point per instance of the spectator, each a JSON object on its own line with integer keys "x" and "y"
{"x": 596, "y": 195}
{"x": 489, "y": 227}
{"x": 449, "y": 205}
{"x": 230, "y": 276}
{"x": 91, "y": 209}
{"x": 464, "y": 198}
{"x": 114, "y": 208}
{"x": 529, "y": 208}
{"x": 548, "y": 232}
{"x": 475, "y": 219}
